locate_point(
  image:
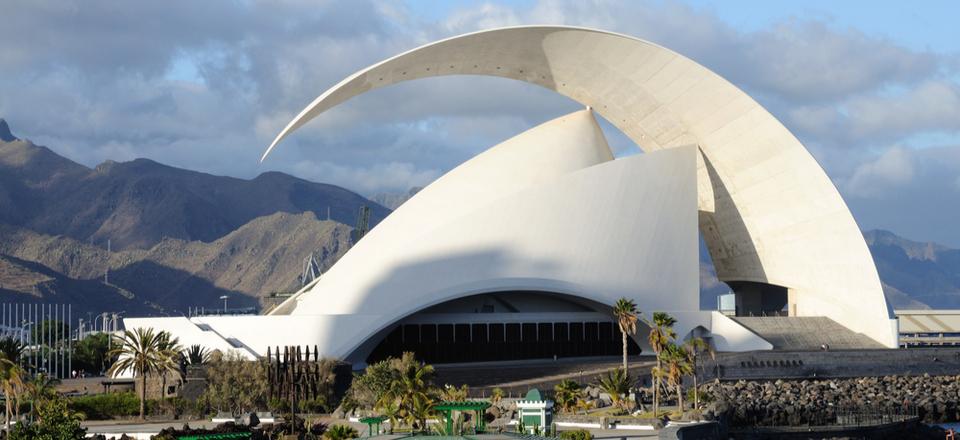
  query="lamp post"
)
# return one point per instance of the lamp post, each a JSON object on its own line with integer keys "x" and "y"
{"x": 224, "y": 298}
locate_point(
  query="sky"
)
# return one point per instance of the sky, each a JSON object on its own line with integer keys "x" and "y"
{"x": 871, "y": 88}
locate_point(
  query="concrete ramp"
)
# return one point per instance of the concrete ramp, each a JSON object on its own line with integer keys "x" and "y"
{"x": 805, "y": 333}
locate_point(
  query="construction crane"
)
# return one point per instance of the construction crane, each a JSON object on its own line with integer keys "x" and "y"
{"x": 311, "y": 269}
{"x": 363, "y": 223}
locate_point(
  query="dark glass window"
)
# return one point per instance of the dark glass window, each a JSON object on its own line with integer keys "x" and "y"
{"x": 606, "y": 331}
{"x": 445, "y": 333}
{"x": 576, "y": 331}
{"x": 497, "y": 333}
{"x": 411, "y": 333}
{"x": 561, "y": 331}
{"x": 545, "y": 331}
{"x": 462, "y": 332}
{"x": 428, "y": 333}
{"x": 529, "y": 332}
{"x": 479, "y": 333}
{"x": 513, "y": 332}
{"x": 590, "y": 331}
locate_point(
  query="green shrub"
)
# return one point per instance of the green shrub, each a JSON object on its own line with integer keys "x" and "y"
{"x": 55, "y": 421}
{"x": 579, "y": 434}
{"x": 341, "y": 432}
{"x": 109, "y": 405}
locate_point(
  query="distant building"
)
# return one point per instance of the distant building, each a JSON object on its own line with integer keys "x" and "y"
{"x": 922, "y": 328}
{"x": 727, "y": 304}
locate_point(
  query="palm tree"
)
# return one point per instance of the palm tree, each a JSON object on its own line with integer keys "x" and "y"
{"x": 616, "y": 383}
{"x": 139, "y": 351}
{"x": 566, "y": 394}
{"x": 11, "y": 349}
{"x": 627, "y": 315}
{"x": 11, "y": 375}
{"x": 419, "y": 413}
{"x": 41, "y": 388}
{"x": 661, "y": 333}
{"x": 11, "y": 379}
{"x": 496, "y": 395}
{"x": 196, "y": 355}
{"x": 410, "y": 390}
{"x": 677, "y": 367}
{"x": 170, "y": 348}
{"x": 693, "y": 347}
{"x": 392, "y": 412}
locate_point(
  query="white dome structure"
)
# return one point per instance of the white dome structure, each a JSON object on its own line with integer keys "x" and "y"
{"x": 542, "y": 233}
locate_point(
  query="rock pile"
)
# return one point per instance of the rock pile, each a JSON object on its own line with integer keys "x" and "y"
{"x": 832, "y": 401}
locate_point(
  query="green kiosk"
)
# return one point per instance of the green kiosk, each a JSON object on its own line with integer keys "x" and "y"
{"x": 536, "y": 413}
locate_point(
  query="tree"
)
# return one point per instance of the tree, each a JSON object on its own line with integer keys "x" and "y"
{"x": 11, "y": 376}
{"x": 50, "y": 330}
{"x": 392, "y": 412}
{"x": 661, "y": 333}
{"x": 566, "y": 393}
{"x": 40, "y": 389}
{"x": 677, "y": 366}
{"x": 170, "y": 347}
{"x": 55, "y": 421}
{"x": 496, "y": 395}
{"x": 341, "y": 432}
{"x": 196, "y": 355}
{"x": 11, "y": 380}
{"x": 617, "y": 384}
{"x": 11, "y": 349}
{"x": 140, "y": 351}
{"x": 693, "y": 347}
{"x": 236, "y": 383}
{"x": 625, "y": 310}
{"x": 90, "y": 353}
{"x": 368, "y": 388}
{"x": 451, "y": 393}
{"x": 411, "y": 389}
{"x": 419, "y": 412}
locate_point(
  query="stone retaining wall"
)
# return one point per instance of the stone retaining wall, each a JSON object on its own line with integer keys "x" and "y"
{"x": 822, "y": 402}
{"x": 834, "y": 363}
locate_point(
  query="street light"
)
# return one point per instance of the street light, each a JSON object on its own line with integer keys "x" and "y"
{"x": 224, "y": 298}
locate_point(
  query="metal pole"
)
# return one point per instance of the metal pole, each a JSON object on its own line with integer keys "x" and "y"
{"x": 70, "y": 343}
{"x": 60, "y": 346}
{"x": 49, "y": 343}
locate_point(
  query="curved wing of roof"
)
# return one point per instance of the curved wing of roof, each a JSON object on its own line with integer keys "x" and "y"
{"x": 543, "y": 153}
{"x": 769, "y": 213}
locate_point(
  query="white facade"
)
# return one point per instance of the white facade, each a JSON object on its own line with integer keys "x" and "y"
{"x": 768, "y": 212}
{"x": 550, "y": 210}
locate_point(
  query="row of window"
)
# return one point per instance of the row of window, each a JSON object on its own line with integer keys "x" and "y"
{"x": 440, "y": 343}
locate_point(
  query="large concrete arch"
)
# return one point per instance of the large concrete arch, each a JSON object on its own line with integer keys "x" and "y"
{"x": 768, "y": 211}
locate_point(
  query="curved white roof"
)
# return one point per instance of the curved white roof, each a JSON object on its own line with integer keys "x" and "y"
{"x": 769, "y": 213}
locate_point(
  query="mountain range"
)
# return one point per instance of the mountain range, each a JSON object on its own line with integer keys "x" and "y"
{"x": 180, "y": 239}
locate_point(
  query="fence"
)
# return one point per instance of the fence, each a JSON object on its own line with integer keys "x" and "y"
{"x": 44, "y": 332}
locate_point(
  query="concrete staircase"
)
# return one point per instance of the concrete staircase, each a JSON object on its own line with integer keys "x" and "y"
{"x": 805, "y": 333}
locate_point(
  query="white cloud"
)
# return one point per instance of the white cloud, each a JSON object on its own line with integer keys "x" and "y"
{"x": 367, "y": 180}
{"x": 101, "y": 82}
{"x": 894, "y": 167}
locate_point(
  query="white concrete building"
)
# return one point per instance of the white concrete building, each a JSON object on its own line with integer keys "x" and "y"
{"x": 521, "y": 251}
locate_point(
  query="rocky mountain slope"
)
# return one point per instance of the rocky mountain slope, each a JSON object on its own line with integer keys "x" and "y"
{"x": 139, "y": 203}
{"x": 250, "y": 264}
{"x": 926, "y": 273}
{"x": 183, "y": 239}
